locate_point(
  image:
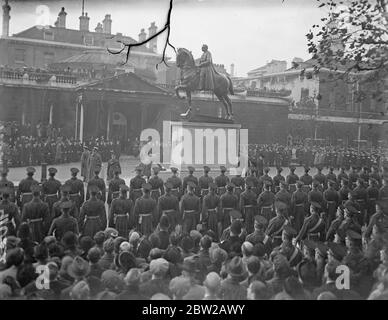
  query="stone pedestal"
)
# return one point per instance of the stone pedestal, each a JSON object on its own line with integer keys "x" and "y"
{"x": 200, "y": 143}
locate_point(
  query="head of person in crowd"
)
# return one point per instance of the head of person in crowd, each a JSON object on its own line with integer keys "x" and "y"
{"x": 258, "y": 290}
{"x": 80, "y": 291}
{"x": 212, "y": 285}
{"x": 179, "y": 287}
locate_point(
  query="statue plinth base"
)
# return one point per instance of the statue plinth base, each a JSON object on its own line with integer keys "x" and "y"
{"x": 200, "y": 144}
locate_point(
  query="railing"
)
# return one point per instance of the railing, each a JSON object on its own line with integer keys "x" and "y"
{"x": 38, "y": 77}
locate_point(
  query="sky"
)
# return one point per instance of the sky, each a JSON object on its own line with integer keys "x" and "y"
{"x": 248, "y": 33}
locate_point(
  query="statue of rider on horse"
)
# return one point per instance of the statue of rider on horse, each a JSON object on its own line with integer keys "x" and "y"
{"x": 203, "y": 77}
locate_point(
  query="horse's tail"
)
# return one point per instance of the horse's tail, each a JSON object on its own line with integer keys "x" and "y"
{"x": 231, "y": 91}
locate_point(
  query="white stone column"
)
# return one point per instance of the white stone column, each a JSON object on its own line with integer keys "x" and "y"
{"x": 81, "y": 123}
{"x": 76, "y": 121}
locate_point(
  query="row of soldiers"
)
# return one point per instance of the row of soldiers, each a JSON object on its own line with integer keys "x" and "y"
{"x": 318, "y": 208}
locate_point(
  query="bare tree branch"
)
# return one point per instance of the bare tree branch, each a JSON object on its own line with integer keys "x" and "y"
{"x": 167, "y": 27}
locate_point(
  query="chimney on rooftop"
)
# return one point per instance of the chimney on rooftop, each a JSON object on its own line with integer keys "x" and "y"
{"x": 6, "y": 18}
{"x": 99, "y": 29}
{"x": 84, "y": 22}
{"x": 62, "y": 18}
{"x": 107, "y": 24}
{"x": 153, "y": 44}
{"x": 232, "y": 70}
{"x": 142, "y": 35}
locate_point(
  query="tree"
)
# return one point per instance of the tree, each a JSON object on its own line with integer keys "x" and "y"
{"x": 352, "y": 41}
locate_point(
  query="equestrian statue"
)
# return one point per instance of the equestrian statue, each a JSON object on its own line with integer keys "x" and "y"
{"x": 203, "y": 77}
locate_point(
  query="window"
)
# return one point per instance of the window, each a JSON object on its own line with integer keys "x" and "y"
{"x": 48, "y": 35}
{"x": 48, "y": 58}
{"x": 304, "y": 94}
{"x": 88, "y": 40}
{"x": 20, "y": 55}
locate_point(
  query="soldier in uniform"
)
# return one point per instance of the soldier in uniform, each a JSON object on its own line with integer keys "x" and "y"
{"x": 99, "y": 183}
{"x": 284, "y": 196}
{"x": 210, "y": 209}
{"x": 77, "y": 193}
{"x": 94, "y": 162}
{"x": 342, "y": 175}
{"x": 313, "y": 227}
{"x": 24, "y": 194}
{"x": 85, "y": 163}
{"x": 373, "y": 195}
{"x": 350, "y": 221}
{"x": 383, "y": 192}
{"x": 321, "y": 178}
{"x": 157, "y": 184}
{"x": 121, "y": 215}
{"x": 36, "y": 214}
{"x": 113, "y": 166}
{"x": 307, "y": 180}
{"x": 332, "y": 200}
{"x": 114, "y": 186}
{"x": 379, "y": 220}
{"x": 364, "y": 175}
{"x": 51, "y": 189}
{"x": 176, "y": 183}
{"x": 5, "y": 183}
{"x": 315, "y": 195}
{"x": 9, "y": 214}
{"x": 235, "y": 218}
{"x": 65, "y": 197}
{"x": 353, "y": 176}
{"x": 192, "y": 178}
{"x": 64, "y": 223}
{"x": 299, "y": 202}
{"x": 135, "y": 185}
{"x": 168, "y": 205}
{"x": 228, "y": 202}
{"x": 265, "y": 178}
{"x": 361, "y": 196}
{"x": 343, "y": 192}
{"x": 331, "y": 176}
{"x": 248, "y": 205}
{"x": 376, "y": 175}
{"x": 265, "y": 202}
{"x": 238, "y": 182}
{"x": 93, "y": 215}
{"x": 146, "y": 215}
{"x": 251, "y": 179}
{"x": 291, "y": 179}
{"x": 277, "y": 179}
{"x": 204, "y": 181}
{"x": 190, "y": 208}
{"x": 273, "y": 233}
{"x": 291, "y": 252}
{"x": 221, "y": 181}
{"x": 258, "y": 235}
{"x": 335, "y": 224}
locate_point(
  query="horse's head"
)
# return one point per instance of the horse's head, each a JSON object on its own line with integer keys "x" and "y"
{"x": 184, "y": 58}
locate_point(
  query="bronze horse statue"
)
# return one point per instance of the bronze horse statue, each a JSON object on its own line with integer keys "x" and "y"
{"x": 190, "y": 82}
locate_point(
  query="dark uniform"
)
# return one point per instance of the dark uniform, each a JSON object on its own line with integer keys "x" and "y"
{"x": 135, "y": 186}
{"x": 36, "y": 214}
{"x": 341, "y": 176}
{"x": 5, "y": 183}
{"x": 190, "y": 178}
{"x": 204, "y": 182}
{"x": 145, "y": 210}
{"x": 64, "y": 223}
{"x": 265, "y": 203}
{"x": 113, "y": 166}
{"x": 50, "y": 189}
{"x": 332, "y": 200}
{"x": 121, "y": 215}
{"x": 380, "y": 219}
{"x": 284, "y": 196}
{"x": 100, "y": 184}
{"x": 373, "y": 195}
{"x": 344, "y": 194}
{"x": 238, "y": 182}
{"x": 313, "y": 227}
{"x": 316, "y": 196}
{"x": 258, "y": 235}
{"x": 9, "y": 214}
{"x": 221, "y": 181}
{"x": 93, "y": 215}
{"x": 24, "y": 194}
{"x": 307, "y": 182}
{"x": 228, "y": 202}
{"x": 176, "y": 182}
{"x": 277, "y": 179}
{"x": 321, "y": 178}
{"x": 76, "y": 193}
{"x": 299, "y": 204}
{"x": 334, "y": 226}
{"x": 114, "y": 188}
{"x": 274, "y": 230}
{"x": 291, "y": 180}
{"x": 383, "y": 193}
{"x": 190, "y": 209}
{"x": 210, "y": 211}
{"x": 353, "y": 176}
{"x": 361, "y": 197}
{"x": 157, "y": 185}
{"x": 248, "y": 205}
{"x": 168, "y": 205}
